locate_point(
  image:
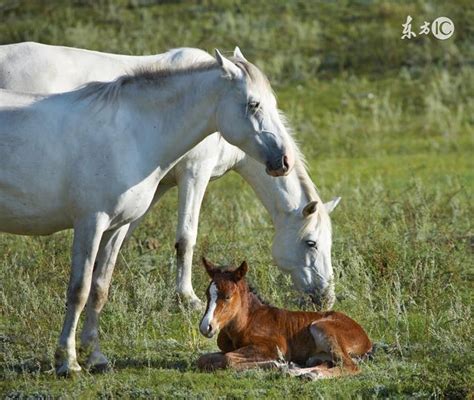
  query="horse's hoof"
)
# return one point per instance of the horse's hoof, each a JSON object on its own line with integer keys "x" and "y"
{"x": 191, "y": 300}
{"x": 196, "y": 304}
{"x": 68, "y": 368}
{"x": 99, "y": 368}
{"x": 97, "y": 363}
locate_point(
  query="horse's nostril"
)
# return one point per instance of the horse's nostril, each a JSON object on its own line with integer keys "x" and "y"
{"x": 209, "y": 328}
{"x": 286, "y": 164}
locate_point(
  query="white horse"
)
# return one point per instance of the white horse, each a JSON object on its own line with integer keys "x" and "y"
{"x": 92, "y": 160}
{"x": 44, "y": 68}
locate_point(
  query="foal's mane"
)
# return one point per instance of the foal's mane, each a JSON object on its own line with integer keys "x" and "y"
{"x": 252, "y": 290}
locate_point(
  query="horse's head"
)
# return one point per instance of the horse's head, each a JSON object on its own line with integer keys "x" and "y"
{"x": 248, "y": 117}
{"x": 223, "y": 297}
{"x": 302, "y": 248}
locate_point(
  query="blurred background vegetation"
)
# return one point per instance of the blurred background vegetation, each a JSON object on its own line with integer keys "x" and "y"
{"x": 292, "y": 40}
{"x": 385, "y": 123}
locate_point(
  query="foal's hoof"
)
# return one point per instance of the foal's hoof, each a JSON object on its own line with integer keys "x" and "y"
{"x": 97, "y": 363}
{"x": 68, "y": 368}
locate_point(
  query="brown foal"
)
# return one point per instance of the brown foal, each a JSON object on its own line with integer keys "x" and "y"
{"x": 253, "y": 334}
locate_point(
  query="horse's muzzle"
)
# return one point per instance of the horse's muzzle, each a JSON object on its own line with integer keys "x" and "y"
{"x": 324, "y": 300}
{"x": 283, "y": 168}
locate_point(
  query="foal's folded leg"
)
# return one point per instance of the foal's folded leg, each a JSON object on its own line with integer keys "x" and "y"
{"x": 330, "y": 343}
{"x": 253, "y": 357}
{"x": 211, "y": 361}
{"x": 102, "y": 275}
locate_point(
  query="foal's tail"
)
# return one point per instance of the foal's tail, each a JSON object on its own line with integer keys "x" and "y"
{"x": 371, "y": 353}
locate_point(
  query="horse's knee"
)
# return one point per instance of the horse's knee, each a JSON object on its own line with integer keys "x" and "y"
{"x": 183, "y": 245}
{"x": 77, "y": 294}
{"x": 99, "y": 294}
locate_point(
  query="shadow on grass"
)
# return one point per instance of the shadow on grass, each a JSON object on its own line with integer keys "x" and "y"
{"x": 31, "y": 367}
{"x": 180, "y": 364}
{"x": 44, "y": 366}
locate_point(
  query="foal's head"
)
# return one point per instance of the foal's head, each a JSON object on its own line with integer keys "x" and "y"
{"x": 224, "y": 295}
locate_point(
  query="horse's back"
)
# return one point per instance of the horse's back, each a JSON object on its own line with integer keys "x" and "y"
{"x": 38, "y": 68}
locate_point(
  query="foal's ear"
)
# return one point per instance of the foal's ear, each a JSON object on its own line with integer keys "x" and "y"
{"x": 310, "y": 208}
{"x": 240, "y": 272}
{"x": 230, "y": 69}
{"x": 210, "y": 267}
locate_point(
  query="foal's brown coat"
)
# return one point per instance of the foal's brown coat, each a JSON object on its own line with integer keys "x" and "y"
{"x": 255, "y": 334}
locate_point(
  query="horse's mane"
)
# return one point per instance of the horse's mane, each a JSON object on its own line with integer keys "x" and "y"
{"x": 159, "y": 74}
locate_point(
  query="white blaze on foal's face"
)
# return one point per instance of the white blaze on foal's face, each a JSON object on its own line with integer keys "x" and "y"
{"x": 207, "y": 327}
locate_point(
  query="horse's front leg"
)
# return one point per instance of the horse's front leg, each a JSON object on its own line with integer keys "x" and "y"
{"x": 192, "y": 184}
{"x": 87, "y": 236}
{"x": 160, "y": 192}
{"x": 102, "y": 275}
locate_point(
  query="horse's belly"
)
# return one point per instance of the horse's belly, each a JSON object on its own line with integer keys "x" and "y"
{"x": 21, "y": 220}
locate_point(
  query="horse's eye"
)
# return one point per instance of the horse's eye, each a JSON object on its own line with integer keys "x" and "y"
{"x": 227, "y": 298}
{"x": 253, "y": 105}
{"x": 311, "y": 243}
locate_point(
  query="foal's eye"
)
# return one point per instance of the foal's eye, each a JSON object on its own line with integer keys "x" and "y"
{"x": 311, "y": 243}
{"x": 253, "y": 105}
{"x": 227, "y": 298}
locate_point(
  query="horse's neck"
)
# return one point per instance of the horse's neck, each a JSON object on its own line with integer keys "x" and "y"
{"x": 175, "y": 117}
{"x": 279, "y": 196}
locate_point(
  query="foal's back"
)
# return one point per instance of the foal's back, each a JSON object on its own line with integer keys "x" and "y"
{"x": 295, "y": 329}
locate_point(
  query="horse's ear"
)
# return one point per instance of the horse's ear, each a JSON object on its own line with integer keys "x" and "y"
{"x": 310, "y": 208}
{"x": 210, "y": 267}
{"x": 231, "y": 70}
{"x": 240, "y": 272}
{"x": 331, "y": 205}
{"x": 238, "y": 54}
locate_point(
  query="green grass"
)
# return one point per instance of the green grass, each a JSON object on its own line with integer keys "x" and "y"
{"x": 394, "y": 137}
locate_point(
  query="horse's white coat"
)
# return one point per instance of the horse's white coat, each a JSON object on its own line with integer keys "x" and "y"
{"x": 92, "y": 160}
{"x": 206, "y": 321}
{"x": 284, "y": 198}
{"x": 42, "y": 68}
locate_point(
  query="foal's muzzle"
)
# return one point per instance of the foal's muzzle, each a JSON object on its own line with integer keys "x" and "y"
{"x": 207, "y": 330}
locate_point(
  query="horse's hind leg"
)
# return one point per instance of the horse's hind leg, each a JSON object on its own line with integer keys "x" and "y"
{"x": 330, "y": 343}
{"x": 108, "y": 251}
{"x": 192, "y": 184}
{"x": 87, "y": 236}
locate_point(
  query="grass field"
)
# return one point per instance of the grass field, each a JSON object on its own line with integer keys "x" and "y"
{"x": 384, "y": 123}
